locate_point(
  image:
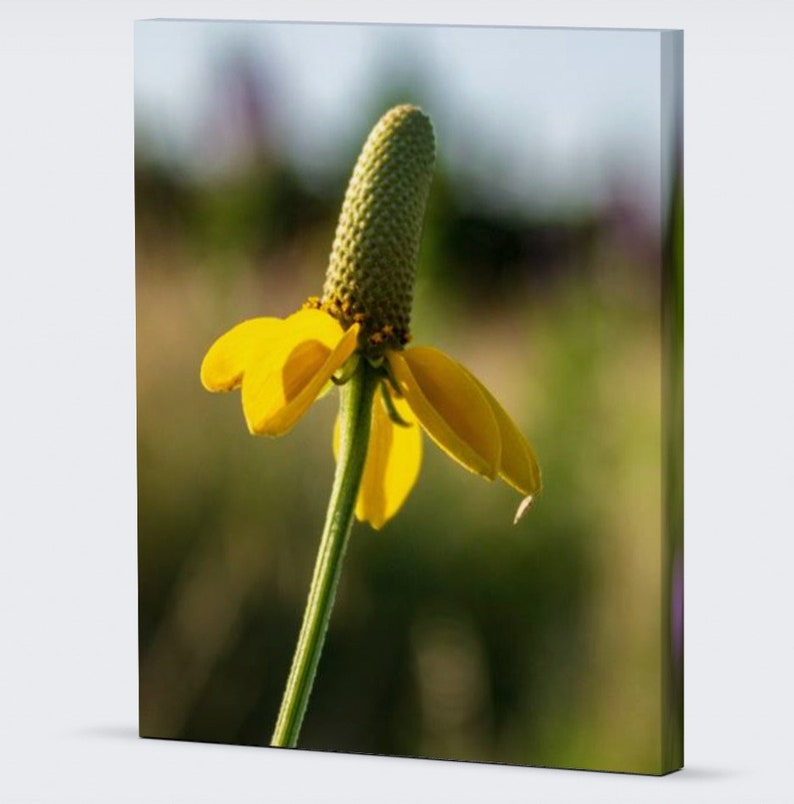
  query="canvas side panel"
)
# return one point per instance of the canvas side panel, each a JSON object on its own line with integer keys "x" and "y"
{"x": 672, "y": 737}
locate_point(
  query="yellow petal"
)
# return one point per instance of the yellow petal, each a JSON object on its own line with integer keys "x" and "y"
{"x": 223, "y": 365}
{"x": 394, "y": 456}
{"x": 450, "y": 406}
{"x": 281, "y": 384}
{"x": 518, "y": 465}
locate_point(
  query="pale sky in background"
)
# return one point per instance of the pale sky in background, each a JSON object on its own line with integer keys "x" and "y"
{"x": 546, "y": 117}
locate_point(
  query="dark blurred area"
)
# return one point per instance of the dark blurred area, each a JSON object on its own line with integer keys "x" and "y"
{"x": 455, "y": 633}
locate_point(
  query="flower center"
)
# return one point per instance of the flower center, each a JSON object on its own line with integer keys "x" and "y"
{"x": 371, "y": 272}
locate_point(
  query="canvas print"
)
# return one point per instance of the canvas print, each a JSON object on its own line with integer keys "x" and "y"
{"x": 409, "y": 378}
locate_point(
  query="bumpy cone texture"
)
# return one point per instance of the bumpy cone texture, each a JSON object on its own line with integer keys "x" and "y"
{"x": 371, "y": 273}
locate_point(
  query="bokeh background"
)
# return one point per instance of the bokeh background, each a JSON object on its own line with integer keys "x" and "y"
{"x": 455, "y": 633}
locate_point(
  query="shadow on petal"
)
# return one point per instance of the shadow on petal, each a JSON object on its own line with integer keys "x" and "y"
{"x": 450, "y": 406}
{"x": 280, "y": 389}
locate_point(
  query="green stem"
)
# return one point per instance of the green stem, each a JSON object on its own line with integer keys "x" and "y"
{"x": 355, "y": 414}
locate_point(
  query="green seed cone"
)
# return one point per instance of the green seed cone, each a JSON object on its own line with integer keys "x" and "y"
{"x": 371, "y": 273}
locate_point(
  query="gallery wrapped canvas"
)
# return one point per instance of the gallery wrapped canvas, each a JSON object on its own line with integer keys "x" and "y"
{"x": 410, "y": 390}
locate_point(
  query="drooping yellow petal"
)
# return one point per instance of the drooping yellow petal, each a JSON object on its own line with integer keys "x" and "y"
{"x": 280, "y": 385}
{"x": 450, "y": 406}
{"x": 224, "y": 364}
{"x": 394, "y": 456}
{"x": 518, "y": 465}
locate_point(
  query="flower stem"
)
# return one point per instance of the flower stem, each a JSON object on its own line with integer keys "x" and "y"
{"x": 355, "y": 414}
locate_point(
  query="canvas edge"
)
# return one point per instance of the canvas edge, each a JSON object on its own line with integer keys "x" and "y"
{"x": 672, "y": 277}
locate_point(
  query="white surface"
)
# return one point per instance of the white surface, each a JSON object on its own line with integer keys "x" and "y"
{"x": 67, "y": 574}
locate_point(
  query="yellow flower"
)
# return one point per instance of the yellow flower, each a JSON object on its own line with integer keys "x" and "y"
{"x": 283, "y": 365}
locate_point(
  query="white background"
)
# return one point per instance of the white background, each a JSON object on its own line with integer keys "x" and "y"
{"x": 68, "y": 668}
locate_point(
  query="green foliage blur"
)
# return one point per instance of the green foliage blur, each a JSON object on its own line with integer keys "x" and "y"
{"x": 456, "y": 634}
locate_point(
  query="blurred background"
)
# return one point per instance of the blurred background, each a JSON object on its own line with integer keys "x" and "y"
{"x": 455, "y": 633}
